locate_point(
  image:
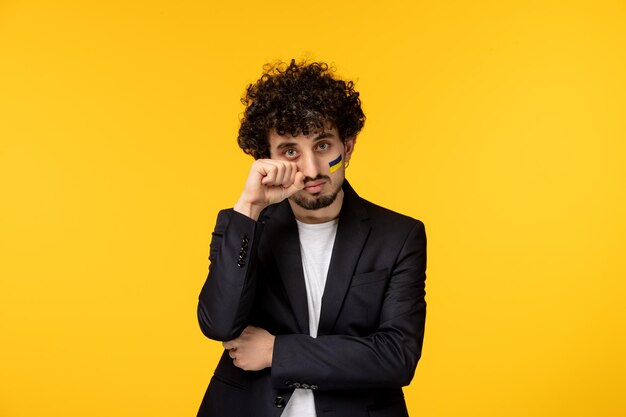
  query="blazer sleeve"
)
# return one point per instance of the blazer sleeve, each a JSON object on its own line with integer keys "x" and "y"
{"x": 227, "y": 296}
{"x": 386, "y": 358}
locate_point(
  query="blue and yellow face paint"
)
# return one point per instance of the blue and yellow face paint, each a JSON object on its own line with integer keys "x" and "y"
{"x": 335, "y": 164}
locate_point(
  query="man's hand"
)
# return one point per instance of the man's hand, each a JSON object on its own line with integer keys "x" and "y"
{"x": 269, "y": 181}
{"x": 252, "y": 350}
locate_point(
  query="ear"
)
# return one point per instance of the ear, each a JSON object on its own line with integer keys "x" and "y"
{"x": 349, "y": 148}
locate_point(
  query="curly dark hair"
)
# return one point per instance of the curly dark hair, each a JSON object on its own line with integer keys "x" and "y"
{"x": 296, "y": 99}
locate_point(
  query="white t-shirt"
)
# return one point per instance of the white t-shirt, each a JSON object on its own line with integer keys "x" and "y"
{"x": 316, "y": 246}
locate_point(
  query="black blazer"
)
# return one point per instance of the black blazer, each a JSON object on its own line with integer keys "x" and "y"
{"x": 371, "y": 322}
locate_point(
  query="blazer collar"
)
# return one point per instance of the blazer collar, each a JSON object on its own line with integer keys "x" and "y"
{"x": 352, "y": 232}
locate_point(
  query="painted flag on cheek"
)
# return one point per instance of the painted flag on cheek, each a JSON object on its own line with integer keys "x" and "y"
{"x": 335, "y": 164}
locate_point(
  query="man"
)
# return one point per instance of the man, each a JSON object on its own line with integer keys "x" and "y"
{"x": 317, "y": 294}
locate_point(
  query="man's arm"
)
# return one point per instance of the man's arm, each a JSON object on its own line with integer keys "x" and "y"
{"x": 227, "y": 296}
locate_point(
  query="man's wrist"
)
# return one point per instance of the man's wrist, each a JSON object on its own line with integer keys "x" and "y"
{"x": 271, "y": 352}
{"x": 247, "y": 209}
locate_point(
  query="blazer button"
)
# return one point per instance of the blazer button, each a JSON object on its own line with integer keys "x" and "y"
{"x": 279, "y": 402}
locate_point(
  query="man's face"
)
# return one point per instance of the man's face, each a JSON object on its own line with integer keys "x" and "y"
{"x": 320, "y": 156}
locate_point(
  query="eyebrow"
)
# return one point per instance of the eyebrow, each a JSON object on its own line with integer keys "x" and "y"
{"x": 323, "y": 135}
{"x": 286, "y": 145}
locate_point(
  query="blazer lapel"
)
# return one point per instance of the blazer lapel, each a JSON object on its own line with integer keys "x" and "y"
{"x": 286, "y": 250}
{"x": 352, "y": 232}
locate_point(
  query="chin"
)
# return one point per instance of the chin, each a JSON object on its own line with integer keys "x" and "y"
{"x": 319, "y": 201}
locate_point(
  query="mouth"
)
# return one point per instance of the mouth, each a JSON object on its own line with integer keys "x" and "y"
{"x": 314, "y": 186}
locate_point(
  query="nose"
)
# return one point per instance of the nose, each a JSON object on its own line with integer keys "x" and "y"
{"x": 309, "y": 165}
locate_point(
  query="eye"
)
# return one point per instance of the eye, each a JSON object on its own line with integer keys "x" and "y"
{"x": 323, "y": 146}
{"x": 290, "y": 153}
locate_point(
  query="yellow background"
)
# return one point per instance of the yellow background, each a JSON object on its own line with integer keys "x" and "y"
{"x": 501, "y": 125}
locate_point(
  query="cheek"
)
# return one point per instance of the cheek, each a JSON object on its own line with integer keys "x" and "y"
{"x": 335, "y": 164}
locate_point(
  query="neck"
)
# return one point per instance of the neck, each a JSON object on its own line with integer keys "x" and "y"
{"x": 322, "y": 215}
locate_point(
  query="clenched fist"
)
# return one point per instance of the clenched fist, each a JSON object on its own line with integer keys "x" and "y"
{"x": 270, "y": 181}
{"x": 253, "y": 350}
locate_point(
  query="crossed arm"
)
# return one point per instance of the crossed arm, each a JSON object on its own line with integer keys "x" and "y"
{"x": 386, "y": 358}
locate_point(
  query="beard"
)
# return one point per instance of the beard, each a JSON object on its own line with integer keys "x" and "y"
{"x": 317, "y": 202}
